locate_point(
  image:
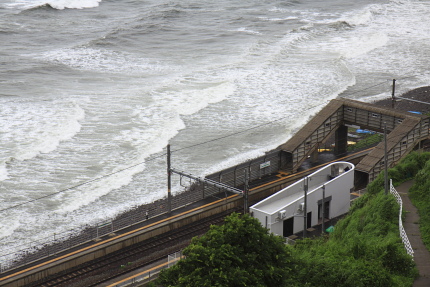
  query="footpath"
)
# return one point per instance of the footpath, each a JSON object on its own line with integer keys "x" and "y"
{"x": 421, "y": 254}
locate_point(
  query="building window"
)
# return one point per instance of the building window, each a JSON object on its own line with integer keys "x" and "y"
{"x": 349, "y": 110}
{"x": 375, "y": 115}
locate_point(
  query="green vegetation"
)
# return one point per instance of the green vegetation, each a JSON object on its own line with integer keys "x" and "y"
{"x": 367, "y": 141}
{"x": 420, "y": 196}
{"x": 407, "y": 169}
{"x": 364, "y": 250}
{"x": 238, "y": 253}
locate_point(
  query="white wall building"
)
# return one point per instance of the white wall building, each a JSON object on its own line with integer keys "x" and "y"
{"x": 283, "y": 212}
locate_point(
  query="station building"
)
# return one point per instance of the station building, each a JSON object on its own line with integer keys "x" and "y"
{"x": 327, "y": 195}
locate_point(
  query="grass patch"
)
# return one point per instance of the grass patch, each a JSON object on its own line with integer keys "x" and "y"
{"x": 364, "y": 250}
{"x": 367, "y": 141}
{"x": 420, "y": 196}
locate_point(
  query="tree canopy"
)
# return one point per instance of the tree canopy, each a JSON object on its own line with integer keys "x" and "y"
{"x": 365, "y": 248}
{"x": 238, "y": 253}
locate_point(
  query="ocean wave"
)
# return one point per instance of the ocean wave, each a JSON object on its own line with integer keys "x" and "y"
{"x": 36, "y": 132}
{"x": 103, "y": 60}
{"x": 53, "y": 4}
{"x": 247, "y": 31}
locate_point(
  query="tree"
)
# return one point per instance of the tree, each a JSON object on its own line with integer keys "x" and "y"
{"x": 238, "y": 253}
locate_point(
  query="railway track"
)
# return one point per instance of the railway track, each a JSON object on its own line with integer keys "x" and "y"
{"x": 94, "y": 273}
{"x": 113, "y": 265}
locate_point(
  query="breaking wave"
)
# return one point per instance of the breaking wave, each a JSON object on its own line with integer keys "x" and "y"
{"x": 54, "y": 4}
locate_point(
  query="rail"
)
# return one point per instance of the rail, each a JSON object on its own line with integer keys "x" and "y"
{"x": 402, "y": 231}
{"x": 150, "y": 273}
{"x": 58, "y": 243}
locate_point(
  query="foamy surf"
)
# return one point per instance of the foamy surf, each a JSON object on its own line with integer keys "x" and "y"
{"x": 56, "y": 4}
{"x": 179, "y": 73}
{"x": 45, "y": 128}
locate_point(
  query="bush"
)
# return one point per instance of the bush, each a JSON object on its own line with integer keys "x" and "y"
{"x": 364, "y": 250}
{"x": 420, "y": 196}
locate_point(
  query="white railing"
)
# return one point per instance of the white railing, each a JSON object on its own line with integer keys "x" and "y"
{"x": 402, "y": 231}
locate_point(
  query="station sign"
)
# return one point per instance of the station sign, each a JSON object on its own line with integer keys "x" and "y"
{"x": 265, "y": 164}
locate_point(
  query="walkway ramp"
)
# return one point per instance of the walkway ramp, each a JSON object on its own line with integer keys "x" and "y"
{"x": 421, "y": 254}
{"x": 405, "y": 132}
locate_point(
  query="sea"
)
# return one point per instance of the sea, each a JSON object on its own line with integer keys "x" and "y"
{"x": 92, "y": 92}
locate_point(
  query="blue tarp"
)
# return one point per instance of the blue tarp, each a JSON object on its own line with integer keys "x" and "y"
{"x": 360, "y": 131}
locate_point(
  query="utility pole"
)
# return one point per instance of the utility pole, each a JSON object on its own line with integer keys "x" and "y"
{"x": 169, "y": 181}
{"x": 305, "y": 219}
{"x": 385, "y": 159}
{"x": 393, "y": 99}
{"x": 323, "y": 209}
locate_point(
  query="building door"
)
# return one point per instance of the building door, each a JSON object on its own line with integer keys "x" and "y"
{"x": 288, "y": 227}
{"x": 327, "y": 210}
{"x": 309, "y": 220}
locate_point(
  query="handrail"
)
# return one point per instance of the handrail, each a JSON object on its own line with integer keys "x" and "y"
{"x": 402, "y": 231}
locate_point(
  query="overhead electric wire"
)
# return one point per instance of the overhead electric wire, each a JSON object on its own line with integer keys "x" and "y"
{"x": 81, "y": 184}
{"x": 180, "y": 149}
{"x": 240, "y": 132}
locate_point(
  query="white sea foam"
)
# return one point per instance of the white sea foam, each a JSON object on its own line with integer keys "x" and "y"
{"x": 359, "y": 45}
{"x": 73, "y": 4}
{"x": 248, "y": 31}
{"x": 56, "y": 4}
{"x": 8, "y": 227}
{"x": 44, "y": 129}
{"x": 103, "y": 60}
{"x": 286, "y": 71}
{"x": 3, "y": 171}
{"x": 278, "y": 19}
{"x": 191, "y": 101}
{"x": 358, "y": 17}
{"x": 32, "y": 130}
{"x": 94, "y": 191}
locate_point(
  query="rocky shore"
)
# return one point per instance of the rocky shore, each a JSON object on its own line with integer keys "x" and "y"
{"x": 420, "y": 94}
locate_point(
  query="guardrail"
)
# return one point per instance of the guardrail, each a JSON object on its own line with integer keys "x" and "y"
{"x": 402, "y": 231}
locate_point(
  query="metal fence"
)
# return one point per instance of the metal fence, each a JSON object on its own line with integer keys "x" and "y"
{"x": 55, "y": 244}
{"x": 402, "y": 231}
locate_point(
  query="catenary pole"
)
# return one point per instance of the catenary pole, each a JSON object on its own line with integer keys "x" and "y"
{"x": 305, "y": 218}
{"x": 169, "y": 181}
{"x": 393, "y": 99}
{"x": 323, "y": 209}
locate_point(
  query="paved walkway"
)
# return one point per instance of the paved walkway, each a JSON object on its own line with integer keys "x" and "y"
{"x": 421, "y": 254}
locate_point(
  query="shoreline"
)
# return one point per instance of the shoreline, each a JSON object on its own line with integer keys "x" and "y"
{"x": 419, "y": 94}
{"x": 147, "y": 211}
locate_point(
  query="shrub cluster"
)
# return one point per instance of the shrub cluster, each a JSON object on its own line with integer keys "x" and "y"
{"x": 420, "y": 196}
{"x": 365, "y": 248}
